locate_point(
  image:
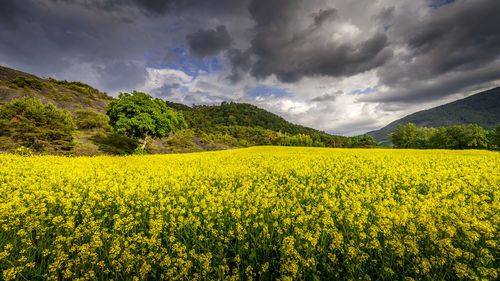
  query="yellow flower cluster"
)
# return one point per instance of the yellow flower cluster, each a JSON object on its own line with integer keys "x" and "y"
{"x": 262, "y": 213}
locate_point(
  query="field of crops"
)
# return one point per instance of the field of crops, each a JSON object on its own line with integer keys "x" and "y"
{"x": 262, "y": 213}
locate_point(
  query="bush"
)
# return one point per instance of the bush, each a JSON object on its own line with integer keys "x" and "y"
{"x": 115, "y": 143}
{"x": 181, "y": 139}
{"x": 140, "y": 151}
{"x": 22, "y": 82}
{"x": 37, "y": 126}
{"x": 88, "y": 119}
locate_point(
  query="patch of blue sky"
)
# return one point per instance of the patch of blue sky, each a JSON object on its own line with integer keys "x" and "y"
{"x": 67, "y": 30}
{"x": 439, "y": 3}
{"x": 364, "y": 91}
{"x": 266, "y": 91}
{"x": 179, "y": 59}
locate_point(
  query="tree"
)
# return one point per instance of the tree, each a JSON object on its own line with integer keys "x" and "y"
{"x": 494, "y": 138}
{"x": 37, "y": 126}
{"x": 469, "y": 136}
{"x": 476, "y": 137}
{"x": 440, "y": 139}
{"x": 140, "y": 116}
{"x": 367, "y": 141}
{"x": 410, "y": 136}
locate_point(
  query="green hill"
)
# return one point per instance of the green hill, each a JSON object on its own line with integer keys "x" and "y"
{"x": 482, "y": 109}
{"x": 210, "y": 127}
{"x": 240, "y": 119}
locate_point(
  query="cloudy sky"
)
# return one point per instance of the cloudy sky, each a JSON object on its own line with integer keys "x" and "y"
{"x": 345, "y": 67}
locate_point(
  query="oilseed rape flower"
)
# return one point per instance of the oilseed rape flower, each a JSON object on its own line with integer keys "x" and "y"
{"x": 261, "y": 213}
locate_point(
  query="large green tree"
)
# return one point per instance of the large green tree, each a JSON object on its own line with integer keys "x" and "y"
{"x": 139, "y": 115}
{"x": 410, "y": 136}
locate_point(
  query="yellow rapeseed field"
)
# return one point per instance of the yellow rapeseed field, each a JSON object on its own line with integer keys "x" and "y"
{"x": 258, "y": 213}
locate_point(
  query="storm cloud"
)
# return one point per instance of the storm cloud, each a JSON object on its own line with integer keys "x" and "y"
{"x": 448, "y": 50}
{"x": 323, "y": 54}
{"x": 284, "y": 49}
{"x": 208, "y": 42}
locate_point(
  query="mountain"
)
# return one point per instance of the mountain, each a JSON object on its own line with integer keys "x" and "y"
{"x": 210, "y": 127}
{"x": 482, "y": 109}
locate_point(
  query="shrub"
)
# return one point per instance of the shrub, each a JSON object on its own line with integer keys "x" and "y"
{"x": 37, "y": 126}
{"x": 88, "y": 119}
{"x": 115, "y": 143}
{"x": 139, "y": 151}
{"x": 22, "y": 82}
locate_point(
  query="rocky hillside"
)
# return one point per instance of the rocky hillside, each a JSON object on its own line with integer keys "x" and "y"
{"x": 72, "y": 96}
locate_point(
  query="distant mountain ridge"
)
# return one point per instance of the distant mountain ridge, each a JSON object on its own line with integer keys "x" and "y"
{"x": 482, "y": 109}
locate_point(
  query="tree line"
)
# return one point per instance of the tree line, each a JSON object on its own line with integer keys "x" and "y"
{"x": 134, "y": 119}
{"x": 469, "y": 136}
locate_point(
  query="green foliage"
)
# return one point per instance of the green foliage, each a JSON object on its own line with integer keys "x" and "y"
{"x": 114, "y": 143}
{"x": 295, "y": 140}
{"x": 409, "y": 136}
{"x": 22, "y": 82}
{"x": 88, "y": 119}
{"x": 140, "y": 151}
{"x": 178, "y": 106}
{"x": 482, "y": 109}
{"x": 365, "y": 141}
{"x": 37, "y": 126}
{"x": 182, "y": 139}
{"x": 83, "y": 88}
{"x": 235, "y": 116}
{"x": 240, "y": 114}
{"x": 138, "y": 115}
{"x": 494, "y": 138}
{"x": 469, "y": 136}
{"x": 240, "y": 136}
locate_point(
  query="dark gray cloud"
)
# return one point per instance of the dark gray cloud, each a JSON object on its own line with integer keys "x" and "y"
{"x": 411, "y": 52}
{"x": 440, "y": 87}
{"x": 9, "y": 10}
{"x": 163, "y": 7}
{"x": 327, "y": 97}
{"x": 449, "y": 50}
{"x": 324, "y": 16}
{"x": 121, "y": 75}
{"x": 284, "y": 49}
{"x": 240, "y": 62}
{"x": 167, "y": 90}
{"x": 49, "y": 38}
{"x": 208, "y": 42}
{"x": 67, "y": 38}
